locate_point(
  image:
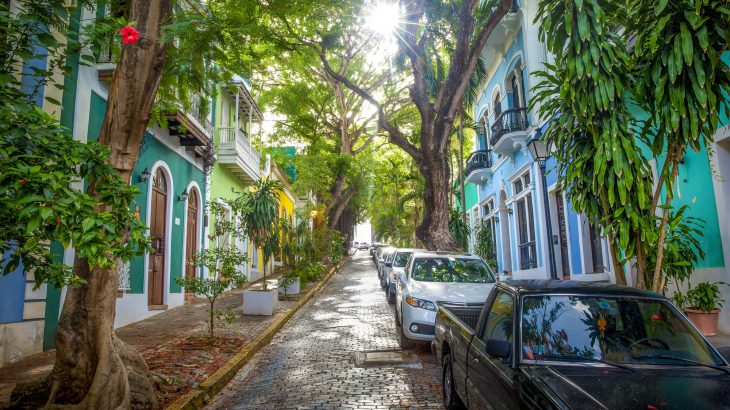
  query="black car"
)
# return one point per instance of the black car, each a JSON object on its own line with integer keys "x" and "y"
{"x": 576, "y": 345}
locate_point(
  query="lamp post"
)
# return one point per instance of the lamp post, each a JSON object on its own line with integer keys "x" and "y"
{"x": 540, "y": 152}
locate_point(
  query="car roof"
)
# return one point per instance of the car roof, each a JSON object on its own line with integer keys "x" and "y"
{"x": 410, "y": 249}
{"x": 461, "y": 255}
{"x": 574, "y": 286}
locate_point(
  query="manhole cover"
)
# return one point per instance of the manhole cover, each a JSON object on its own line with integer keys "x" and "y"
{"x": 386, "y": 358}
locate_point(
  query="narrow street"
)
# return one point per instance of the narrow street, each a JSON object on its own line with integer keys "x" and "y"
{"x": 311, "y": 361}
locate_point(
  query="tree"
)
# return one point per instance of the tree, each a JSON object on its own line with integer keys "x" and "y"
{"x": 259, "y": 209}
{"x": 93, "y": 368}
{"x": 442, "y": 42}
{"x": 331, "y": 119}
{"x": 222, "y": 261}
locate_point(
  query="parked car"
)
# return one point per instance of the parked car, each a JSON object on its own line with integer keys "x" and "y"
{"x": 395, "y": 268}
{"x": 363, "y": 245}
{"x": 376, "y": 249}
{"x": 433, "y": 277}
{"x": 573, "y": 345}
{"x": 383, "y": 255}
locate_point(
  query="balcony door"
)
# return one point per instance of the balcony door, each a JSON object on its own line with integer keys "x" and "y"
{"x": 191, "y": 243}
{"x": 525, "y": 223}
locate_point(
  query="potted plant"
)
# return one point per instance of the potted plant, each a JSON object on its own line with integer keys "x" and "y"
{"x": 704, "y": 301}
{"x": 259, "y": 209}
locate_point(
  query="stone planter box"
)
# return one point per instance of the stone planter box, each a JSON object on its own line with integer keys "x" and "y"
{"x": 260, "y": 302}
{"x": 293, "y": 289}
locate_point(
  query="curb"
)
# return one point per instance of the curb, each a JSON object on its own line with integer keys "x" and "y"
{"x": 197, "y": 397}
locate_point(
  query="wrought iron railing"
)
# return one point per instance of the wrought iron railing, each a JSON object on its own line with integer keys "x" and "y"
{"x": 528, "y": 255}
{"x": 478, "y": 160}
{"x": 514, "y": 119}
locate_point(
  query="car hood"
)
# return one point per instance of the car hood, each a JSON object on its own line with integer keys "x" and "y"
{"x": 450, "y": 292}
{"x": 671, "y": 387}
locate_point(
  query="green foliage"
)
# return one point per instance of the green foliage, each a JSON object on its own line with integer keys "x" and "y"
{"x": 484, "y": 244}
{"x": 705, "y": 296}
{"x": 458, "y": 228}
{"x": 222, "y": 262}
{"x": 682, "y": 251}
{"x": 312, "y": 272}
{"x": 600, "y": 165}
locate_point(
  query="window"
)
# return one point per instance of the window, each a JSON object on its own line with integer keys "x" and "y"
{"x": 525, "y": 222}
{"x": 489, "y": 223}
{"x": 497, "y": 105}
{"x": 401, "y": 259}
{"x": 448, "y": 270}
{"x": 499, "y": 320}
{"x": 621, "y": 329}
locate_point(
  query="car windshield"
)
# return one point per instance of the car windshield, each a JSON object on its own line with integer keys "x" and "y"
{"x": 451, "y": 270}
{"x": 401, "y": 259}
{"x": 619, "y": 329}
{"x": 390, "y": 257}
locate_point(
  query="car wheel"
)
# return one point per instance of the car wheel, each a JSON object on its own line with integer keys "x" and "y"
{"x": 451, "y": 398}
{"x": 391, "y": 297}
{"x": 403, "y": 340}
{"x": 397, "y": 318}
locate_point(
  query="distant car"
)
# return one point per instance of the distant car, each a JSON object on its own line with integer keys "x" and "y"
{"x": 543, "y": 344}
{"x": 363, "y": 245}
{"x": 375, "y": 249}
{"x": 395, "y": 268}
{"x": 433, "y": 277}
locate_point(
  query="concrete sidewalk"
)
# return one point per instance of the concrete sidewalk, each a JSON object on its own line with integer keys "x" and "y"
{"x": 173, "y": 343}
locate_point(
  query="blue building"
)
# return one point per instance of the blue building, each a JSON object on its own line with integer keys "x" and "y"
{"x": 509, "y": 183}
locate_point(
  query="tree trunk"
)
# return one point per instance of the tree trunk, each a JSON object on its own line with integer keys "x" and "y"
{"x": 94, "y": 369}
{"x": 434, "y": 228}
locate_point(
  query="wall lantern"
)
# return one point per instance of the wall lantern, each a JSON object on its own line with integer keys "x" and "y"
{"x": 146, "y": 174}
{"x": 183, "y": 196}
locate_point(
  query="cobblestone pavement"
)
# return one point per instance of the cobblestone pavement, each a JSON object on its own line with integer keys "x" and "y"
{"x": 309, "y": 362}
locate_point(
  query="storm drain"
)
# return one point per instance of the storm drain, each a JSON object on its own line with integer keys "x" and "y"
{"x": 386, "y": 358}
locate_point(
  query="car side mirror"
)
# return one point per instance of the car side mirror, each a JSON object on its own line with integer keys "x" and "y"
{"x": 498, "y": 348}
{"x": 389, "y": 265}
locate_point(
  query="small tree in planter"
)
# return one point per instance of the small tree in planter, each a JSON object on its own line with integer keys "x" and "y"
{"x": 259, "y": 208}
{"x": 222, "y": 261}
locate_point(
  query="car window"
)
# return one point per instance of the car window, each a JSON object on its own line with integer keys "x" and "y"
{"x": 447, "y": 269}
{"x": 401, "y": 259}
{"x": 499, "y": 319}
{"x": 621, "y": 329}
{"x": 390, "y": 257}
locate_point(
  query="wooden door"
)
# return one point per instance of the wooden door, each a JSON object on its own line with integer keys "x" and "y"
{"x": 158, "y": 229}
{"x": 191, "y": 245}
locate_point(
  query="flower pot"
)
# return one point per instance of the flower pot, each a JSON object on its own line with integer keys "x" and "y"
{"x": 294, "y": 288}
{"x": 260, "y": 302}
{"x": 706, "y": 322}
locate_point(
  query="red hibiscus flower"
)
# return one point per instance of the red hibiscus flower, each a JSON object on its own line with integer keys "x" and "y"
{"x": 58, "y": 222}
{"x": 129, "y": 34}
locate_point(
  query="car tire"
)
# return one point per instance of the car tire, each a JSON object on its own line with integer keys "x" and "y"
{"x": 397, "y": 319}
{"x": 403, "y": 340}
{"x": 391, "y": 296}
{"x": 451, "y": 398}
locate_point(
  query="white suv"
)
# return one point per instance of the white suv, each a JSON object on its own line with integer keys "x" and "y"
{"x": 432, "y": 277}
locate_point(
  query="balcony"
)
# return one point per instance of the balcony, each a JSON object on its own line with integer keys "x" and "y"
{"x": 506, "y": 29}
{"x": 190, "y": 126}
{"x": 509, "y": 131}
{"x": 478, "y": 166}
{"x": 236, "y": 154}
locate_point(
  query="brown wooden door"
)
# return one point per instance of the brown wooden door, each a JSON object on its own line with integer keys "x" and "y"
{"x": 192, "y": 234}
{"x": 158, "y": 228}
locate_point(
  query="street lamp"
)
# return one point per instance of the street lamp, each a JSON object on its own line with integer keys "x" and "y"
{"x": 540, "y": 151}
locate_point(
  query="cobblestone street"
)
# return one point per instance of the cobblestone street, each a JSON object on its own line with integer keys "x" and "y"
{"x": 309, "y": 364}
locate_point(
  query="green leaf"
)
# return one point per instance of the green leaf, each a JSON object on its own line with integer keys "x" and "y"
{"x": 660, "y": 6}
{"x": 687, "y": 49}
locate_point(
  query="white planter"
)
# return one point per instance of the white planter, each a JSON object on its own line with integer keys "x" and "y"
{"x": 259, "y": 302}
{"x": 293, "y": 289}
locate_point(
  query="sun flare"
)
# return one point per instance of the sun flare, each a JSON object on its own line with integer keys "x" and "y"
{"x": 383, "y": 18}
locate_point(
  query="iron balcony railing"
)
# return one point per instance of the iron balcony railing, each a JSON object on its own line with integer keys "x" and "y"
{"x": 478, "y": 160}
{"x": 512, "y": 120}
{"x": 528, "y": 255}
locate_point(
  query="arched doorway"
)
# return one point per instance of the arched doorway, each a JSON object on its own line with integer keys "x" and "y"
{"x": 504, "y": 231}
{"x": 158, "y": 230}
{"x": 191, "y": 235}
